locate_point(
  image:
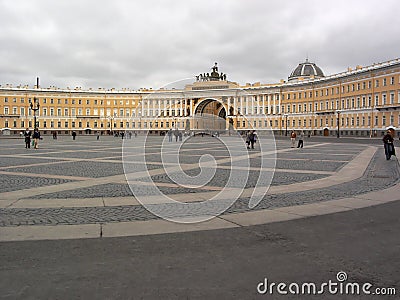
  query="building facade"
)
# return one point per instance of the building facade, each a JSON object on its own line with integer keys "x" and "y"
{"x": 359, "y": 102}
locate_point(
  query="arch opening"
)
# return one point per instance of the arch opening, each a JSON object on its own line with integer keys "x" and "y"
{"x": 210, "y": 116}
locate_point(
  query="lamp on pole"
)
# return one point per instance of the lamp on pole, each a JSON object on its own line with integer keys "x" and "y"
{"x": 286, "y": 120}
{"x": 338, "y": 123}
{"x": 35, "y": 106}
{"x": 111, "y": 119}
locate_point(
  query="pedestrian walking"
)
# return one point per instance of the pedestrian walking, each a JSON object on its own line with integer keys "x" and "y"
{"x": 170, "y": 135}
{"x": 301, "y": 138}
{"x": 73, "y": 135}
{"x": 97, "y": 136}
{"x": 176, "y": 133}
{"x": 36, "y": 137}
{"x": 250, "y": 139}
{"x": 293, "y": 138}
{"x": 27, "y": 135}
{"x": 388, "y": 145}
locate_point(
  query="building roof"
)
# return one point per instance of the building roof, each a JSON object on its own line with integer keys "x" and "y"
{"x": 306, "y": 70}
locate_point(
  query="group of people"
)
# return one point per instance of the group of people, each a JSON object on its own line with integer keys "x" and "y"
{"x": 176, "y": 133}
{"x": 388, "y": 142}
{"x": 293, "y": 137}
{"x": 29, "y": 135}
{"x": 251, "y": 139}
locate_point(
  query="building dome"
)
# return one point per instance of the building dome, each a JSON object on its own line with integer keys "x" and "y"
{"x": 306, "y": 70}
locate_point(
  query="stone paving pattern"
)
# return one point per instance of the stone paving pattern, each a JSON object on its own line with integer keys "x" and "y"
{"x": 14, "y": 182}
{"x": 97, "y": 159}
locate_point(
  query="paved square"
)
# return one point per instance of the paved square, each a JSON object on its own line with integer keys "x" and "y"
{"x": 57, "y": 181}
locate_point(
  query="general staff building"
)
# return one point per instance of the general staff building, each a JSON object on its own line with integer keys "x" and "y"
{"x": 362, "y": 101}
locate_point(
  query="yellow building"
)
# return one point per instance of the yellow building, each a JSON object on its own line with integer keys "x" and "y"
{"x": 359, "y": 102}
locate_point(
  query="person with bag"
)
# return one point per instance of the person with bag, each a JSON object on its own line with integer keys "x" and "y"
{"x": 27, "y": 135}
{"x": 36, "y": 137}
{"x": 388, "y": 145}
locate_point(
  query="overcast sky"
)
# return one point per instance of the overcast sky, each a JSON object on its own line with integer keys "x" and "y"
{"x": 134, "y": 44}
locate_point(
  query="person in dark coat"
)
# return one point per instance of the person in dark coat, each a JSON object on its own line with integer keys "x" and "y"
{"x": 36, "y": 137}
{"x": 27, "y": 135}
{"x": 251, "y": 138}
{"x": 388, "y": 145}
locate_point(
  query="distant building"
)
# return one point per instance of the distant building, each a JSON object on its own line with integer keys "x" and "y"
{"x": 359, "y": 102}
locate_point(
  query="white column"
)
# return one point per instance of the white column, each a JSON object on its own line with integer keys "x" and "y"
{"x": 263, "y": 104}
{"x": 255, "y": 104}
{"x": 247, "y": 106}
{"x": 279, "y": 102}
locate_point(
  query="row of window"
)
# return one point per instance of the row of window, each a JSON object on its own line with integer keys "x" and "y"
{"x": 107, "y": 125}
{"x": 349, "y": 103}
{"x": 345, "y": 88}
{"x": 74, "y": 101}
{"x": 44, "y": 111}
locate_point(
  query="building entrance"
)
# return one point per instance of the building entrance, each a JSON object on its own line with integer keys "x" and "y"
{"x": 209, "y": 117}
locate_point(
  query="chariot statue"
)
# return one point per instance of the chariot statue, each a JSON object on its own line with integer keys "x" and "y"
{"x": 213, "y": 76}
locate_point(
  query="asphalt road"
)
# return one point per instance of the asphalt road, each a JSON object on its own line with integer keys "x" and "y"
{"x": 219, "y": 264}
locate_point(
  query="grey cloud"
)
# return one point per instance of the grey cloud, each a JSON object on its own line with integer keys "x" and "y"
{"x": 146, "y": 43}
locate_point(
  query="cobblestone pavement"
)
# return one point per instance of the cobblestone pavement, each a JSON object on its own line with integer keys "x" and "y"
{"x": 15, "y": 182}
{"x": 64, "y": 166}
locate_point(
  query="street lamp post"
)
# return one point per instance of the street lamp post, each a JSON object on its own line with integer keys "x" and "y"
{"x": 338, "y": 124}
{"x": 111, "y": 119}
{"x": 286, "y": 120}
{"x": 35, "y": 106}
